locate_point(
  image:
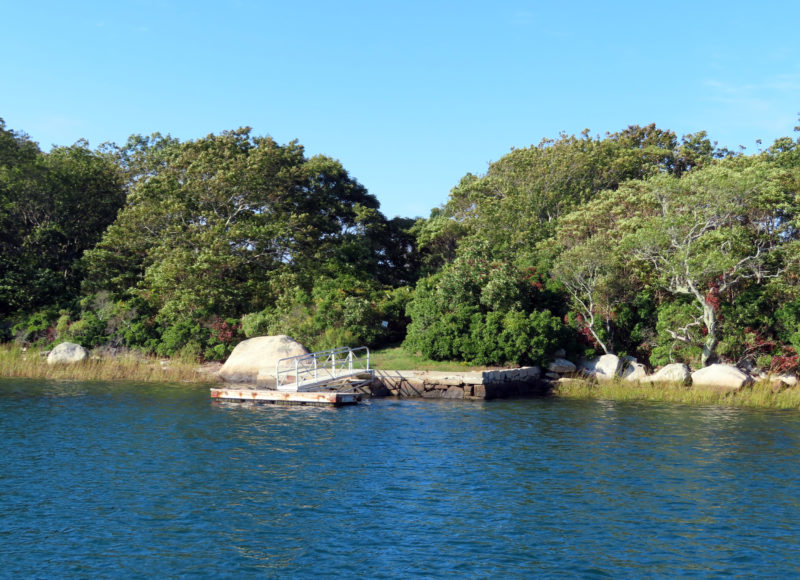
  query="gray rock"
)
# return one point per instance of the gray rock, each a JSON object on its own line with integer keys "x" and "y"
{"x": 672, "y": 373}
{"x": 587, "y": 366}
{"x": 454, "y": 393}
{"x": 254, "y": 355}
{"x": 67, "y": 353}
{"x": 635, "y": 372}
{"x": 529, "y": 373}
{"x": 607, "y": 367}
{"x": 561, "y": 366}
{"x": 721, "y": 376}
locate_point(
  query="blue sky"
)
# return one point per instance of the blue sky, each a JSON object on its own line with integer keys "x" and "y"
{"x": 409, "y": 96}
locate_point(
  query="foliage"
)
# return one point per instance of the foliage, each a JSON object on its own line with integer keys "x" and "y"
{"x": 512, "y": 213}
{"x": 704, "y": 237}
{"x": 483, "y": 311}
{"x": 214, "y": 229}
{"x": 635, "y": 242}
{"x": 340, "y": 311}
{"x": 53, "y": 207}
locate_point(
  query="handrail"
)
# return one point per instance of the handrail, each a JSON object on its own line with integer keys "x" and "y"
{"x": 306, "y": 371}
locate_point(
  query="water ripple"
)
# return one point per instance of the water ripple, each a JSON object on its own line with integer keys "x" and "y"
{"x": 110, "y": 480}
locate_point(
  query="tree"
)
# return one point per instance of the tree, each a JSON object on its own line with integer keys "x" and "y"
{"x": 703, "y": 235}
{"x": 588, "y": 273}
{"x": 213, "y": 227}
{"x": 483, "y": 310}
{"x": 53, "y": 207}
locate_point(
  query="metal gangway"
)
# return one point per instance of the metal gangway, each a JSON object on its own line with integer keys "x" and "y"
{"x": 324, "y": 370}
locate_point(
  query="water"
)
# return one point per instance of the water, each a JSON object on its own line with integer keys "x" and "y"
{"x": 122, "y": 480}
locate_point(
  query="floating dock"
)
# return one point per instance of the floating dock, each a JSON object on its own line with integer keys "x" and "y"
{"x": 270, "y": 396}
{"x": 325, "y": 378}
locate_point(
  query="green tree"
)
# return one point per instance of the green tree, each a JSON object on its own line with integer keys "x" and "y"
{"x": 214, "y": 227}
{"x": 53, "y": 207}
{"x": 701, "y": 237}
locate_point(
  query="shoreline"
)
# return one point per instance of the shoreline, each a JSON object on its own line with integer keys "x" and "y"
{"x": 16, "y": 362}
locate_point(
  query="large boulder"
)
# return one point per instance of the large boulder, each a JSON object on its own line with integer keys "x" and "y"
{"x": 672, "y": 373}
{"x": 635, "y": 372}
{"x": 721, "y": 376}
{"x": 607, "y": 367}
{"x": 258, "y": 355}
{"x": 67, "y": 353}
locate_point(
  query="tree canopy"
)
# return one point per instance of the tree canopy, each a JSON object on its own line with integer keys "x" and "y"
{"x": 635, "y": 242}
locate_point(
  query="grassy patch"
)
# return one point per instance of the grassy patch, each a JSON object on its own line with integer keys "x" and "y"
{"x": 32, "y": 364}
{"x": 758, "y": 395}
{"x": 396, "y": 359}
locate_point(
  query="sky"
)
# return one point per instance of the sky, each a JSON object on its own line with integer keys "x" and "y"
{"x": 409, "y": 95}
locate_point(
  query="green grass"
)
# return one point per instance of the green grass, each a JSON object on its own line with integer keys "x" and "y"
{"x": 31, "y": 363}
{"x": 758, "y": 395}
{"x": 396, "y": 359}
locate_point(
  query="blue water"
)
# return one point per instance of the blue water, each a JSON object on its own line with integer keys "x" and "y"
{"x": 126, "y": 480}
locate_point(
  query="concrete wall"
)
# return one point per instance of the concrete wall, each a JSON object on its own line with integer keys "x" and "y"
{"x": 480, "y": 385}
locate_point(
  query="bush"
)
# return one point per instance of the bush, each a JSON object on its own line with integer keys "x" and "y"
{"x": 477, "y": 315}
{"x": 38, "y": 328}
{"x": 676, "y": 315}
{"x": 343, "y": 311}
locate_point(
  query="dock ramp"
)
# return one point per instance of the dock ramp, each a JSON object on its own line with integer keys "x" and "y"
{"x": 342, "y": 369}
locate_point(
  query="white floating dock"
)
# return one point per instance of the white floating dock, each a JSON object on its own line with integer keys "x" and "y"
{"x": 269, "y": 396}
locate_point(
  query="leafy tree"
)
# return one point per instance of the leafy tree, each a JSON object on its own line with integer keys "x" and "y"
{"x": 701, "y": 237}
{"x": 53, "y": 207}
{"x": 589, "y": 274}
{"x": 483, "y": 310}
{"x": 213, "y": 228}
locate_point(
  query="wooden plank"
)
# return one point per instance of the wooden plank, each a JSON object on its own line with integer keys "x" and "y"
{"x": 287, "y": 397}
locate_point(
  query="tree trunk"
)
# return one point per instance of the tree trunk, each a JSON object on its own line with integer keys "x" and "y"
{"x": 710, "y": 347}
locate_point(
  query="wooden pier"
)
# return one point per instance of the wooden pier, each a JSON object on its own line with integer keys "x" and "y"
{"x": 274, "y": 397}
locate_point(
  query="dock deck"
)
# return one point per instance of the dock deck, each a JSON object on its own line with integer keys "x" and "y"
{"x": 269, "y": 396}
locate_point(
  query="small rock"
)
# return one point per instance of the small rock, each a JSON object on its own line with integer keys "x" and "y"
{"x": 454, "y": 393}
{"x": 587, "y": 366}
{"x": 777, "y": 386}
{"x": 561, "y": 366}
{"x": 635, "y": 372}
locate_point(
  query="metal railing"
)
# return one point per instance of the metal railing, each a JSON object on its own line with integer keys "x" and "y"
{"x": 320, "y": 369}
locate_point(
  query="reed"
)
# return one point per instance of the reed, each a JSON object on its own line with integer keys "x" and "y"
{"x": 758, "y": 395}
{"x": 31, "y": 363}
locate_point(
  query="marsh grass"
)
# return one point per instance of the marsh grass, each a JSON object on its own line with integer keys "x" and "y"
{"x": 31, "y": 363}
{"x": 397, "y": 359}
{"x": 758, "y": 395}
